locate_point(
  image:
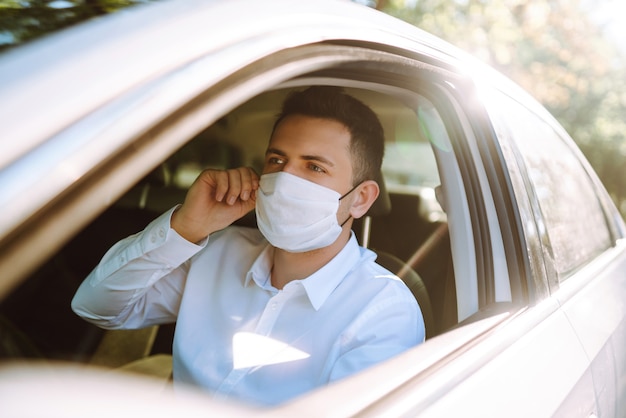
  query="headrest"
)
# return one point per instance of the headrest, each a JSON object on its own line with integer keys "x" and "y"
{"x": 382, "y": 205}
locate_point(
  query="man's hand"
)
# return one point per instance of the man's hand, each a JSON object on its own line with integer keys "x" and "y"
{"x": 215, "y": 200}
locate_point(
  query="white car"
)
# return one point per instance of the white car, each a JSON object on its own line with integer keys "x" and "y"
{"x": 491, "y": 214}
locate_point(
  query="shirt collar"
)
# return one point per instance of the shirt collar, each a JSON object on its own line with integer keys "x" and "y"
{"x": 321, "y": 284}
{"x": 317, "y": 286}
{"x": 261, "y": 268}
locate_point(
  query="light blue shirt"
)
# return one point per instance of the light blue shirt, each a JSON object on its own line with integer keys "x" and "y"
{"x": 236, "y": 334}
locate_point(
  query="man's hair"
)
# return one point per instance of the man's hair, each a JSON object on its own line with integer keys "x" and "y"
{"x": 367, "y": 139}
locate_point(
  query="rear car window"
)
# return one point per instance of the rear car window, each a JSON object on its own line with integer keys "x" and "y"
{"x": 573, "y": 216}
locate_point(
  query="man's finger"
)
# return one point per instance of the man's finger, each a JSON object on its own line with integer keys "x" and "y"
{"x": 248, "y": 180}
{"x": 234, "y": 186}
{"x": 221, "y": 184}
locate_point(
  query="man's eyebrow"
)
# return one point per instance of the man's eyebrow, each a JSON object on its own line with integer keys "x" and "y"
{"x": 275, "y": 151}
{"x": 318, "y": 158}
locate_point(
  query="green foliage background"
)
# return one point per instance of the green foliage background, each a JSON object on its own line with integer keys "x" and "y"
{"x": 554, "y": 50}
{"x": 23, "y": 20}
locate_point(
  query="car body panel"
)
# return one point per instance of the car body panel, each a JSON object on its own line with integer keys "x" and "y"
{"x": 517, "y": 370}
{"x": 495, "y": 371}
{"x": 594, "y": 293}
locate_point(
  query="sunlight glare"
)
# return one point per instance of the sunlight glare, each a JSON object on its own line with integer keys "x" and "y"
{"x": 251, "y": 350}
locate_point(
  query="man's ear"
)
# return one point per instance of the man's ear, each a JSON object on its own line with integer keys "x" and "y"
{"x": 366, "y": 194}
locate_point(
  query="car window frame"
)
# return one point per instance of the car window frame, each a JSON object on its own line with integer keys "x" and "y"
{"x": 169, "y": 130}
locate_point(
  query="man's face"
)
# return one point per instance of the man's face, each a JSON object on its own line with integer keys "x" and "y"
{"x": 314, "y": 149}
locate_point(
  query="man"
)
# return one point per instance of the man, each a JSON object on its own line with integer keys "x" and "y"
{"x": 262, "y": 321}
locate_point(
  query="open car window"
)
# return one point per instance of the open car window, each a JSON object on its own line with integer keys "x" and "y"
{"x": 425, "y": 232}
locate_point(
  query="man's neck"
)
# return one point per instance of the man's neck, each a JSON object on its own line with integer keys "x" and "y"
{"x": 296, "y": 266}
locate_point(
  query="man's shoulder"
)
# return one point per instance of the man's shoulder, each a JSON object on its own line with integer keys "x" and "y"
{"x": 376, "y": 294}
{"x": 377, "y": 280}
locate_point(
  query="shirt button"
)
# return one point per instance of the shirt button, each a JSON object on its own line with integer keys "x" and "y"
{"x": 161, "y": 232}
{"x": 274, "y": 305}
{"x": 153, "y": 238}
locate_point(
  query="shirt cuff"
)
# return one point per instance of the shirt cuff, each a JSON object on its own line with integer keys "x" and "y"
{"x": 163, "y": 243}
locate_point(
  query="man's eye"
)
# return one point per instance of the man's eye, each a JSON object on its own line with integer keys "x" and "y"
{"x": 275, "y": 160}
{"x": 316, "y": 168}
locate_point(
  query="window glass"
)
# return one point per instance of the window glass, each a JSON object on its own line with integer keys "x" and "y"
{"x": 409, "y": 159}
{"x": 409, "y": 166}
{"x": 573, "y": 217}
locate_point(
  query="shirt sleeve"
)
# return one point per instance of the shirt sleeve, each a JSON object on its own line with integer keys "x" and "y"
{"x": 139, "y": 281}
{"x": 380, "y": 333}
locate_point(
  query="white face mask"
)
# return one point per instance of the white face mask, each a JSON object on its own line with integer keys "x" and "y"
{"x": 295, "y": 214}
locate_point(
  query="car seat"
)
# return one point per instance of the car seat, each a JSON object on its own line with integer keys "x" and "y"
{"x": 381, "y": 207}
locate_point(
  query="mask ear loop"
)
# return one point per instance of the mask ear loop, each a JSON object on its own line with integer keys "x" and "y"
{"x": 350, "y": 216}
{"x": 351, "y": 190}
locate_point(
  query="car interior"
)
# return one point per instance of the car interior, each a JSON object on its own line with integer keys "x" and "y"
{"x": 407, "y": 227}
